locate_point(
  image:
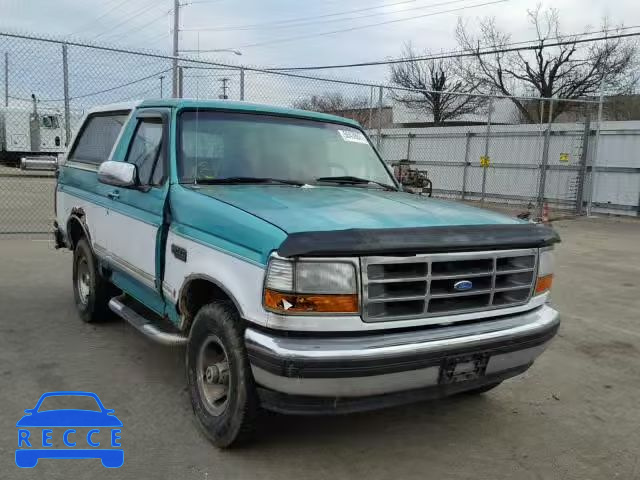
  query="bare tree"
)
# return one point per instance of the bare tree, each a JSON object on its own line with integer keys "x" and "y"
{"x": 437, "y": 88}
{"x": 335, "y": 103}
{"x": 570, "y": 70}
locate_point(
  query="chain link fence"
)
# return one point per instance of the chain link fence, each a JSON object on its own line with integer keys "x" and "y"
{"x": 497, "y": 159}
{"x": 492, "y": 156}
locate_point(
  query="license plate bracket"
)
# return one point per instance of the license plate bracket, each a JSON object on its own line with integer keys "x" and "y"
{"x": 463, "y": 368}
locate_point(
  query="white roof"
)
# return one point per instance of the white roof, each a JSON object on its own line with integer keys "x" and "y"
{"x": 115, "y": 106}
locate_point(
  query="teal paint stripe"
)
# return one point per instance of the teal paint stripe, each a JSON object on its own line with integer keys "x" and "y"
{"x": 124, "y": 209}
{"x": 172, "y": 312}
{"x": 143, "y": 294}
{"x": 83, "y": 195}
{"x": 136, "y": 213}
{"x": 211, "y": 241}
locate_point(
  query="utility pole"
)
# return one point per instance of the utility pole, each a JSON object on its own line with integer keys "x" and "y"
{"x": 180, "y": 81}
{"x": 224, "y": 95}
{"x": 6, "y": 79}
{"x": 161, "y": 85}
{"x": 65, "y": 86}
{"x": 379, "y": 135}
{"x": 176, "y": 36}
{"x": 545, "y": 161}
{"x": 594, "y": 155}
{"x": 487, "y": 141}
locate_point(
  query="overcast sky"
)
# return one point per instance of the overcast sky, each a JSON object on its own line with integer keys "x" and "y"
{"x": 246, "y": 25}
{"x": 147, "y": 23}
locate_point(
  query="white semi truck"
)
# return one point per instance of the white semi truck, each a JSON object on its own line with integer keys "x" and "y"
{"x": 29, "y": 132}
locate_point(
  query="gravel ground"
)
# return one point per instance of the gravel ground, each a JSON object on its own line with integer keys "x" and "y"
{"x": 574, "y": 415}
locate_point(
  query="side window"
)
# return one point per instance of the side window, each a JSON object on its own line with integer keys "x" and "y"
{"x": 97, "y": 138}
{"x": 146, "y": 151}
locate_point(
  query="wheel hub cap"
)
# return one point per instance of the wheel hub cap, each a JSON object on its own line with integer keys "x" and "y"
{"x": 83, "y": 281}
{"x": 213, "y": 375}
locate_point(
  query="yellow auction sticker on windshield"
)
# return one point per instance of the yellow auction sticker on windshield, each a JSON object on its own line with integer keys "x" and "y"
{"x": 352, "y": 136}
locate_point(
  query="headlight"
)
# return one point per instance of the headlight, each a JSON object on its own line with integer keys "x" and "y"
{"x": 329, "y": 278}
{"x": 310, "y": 286}
{"x": 545, "y": 271}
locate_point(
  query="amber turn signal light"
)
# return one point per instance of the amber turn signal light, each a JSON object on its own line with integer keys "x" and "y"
{"x": 298, "y": 303}
{"x": 544, "y": 284}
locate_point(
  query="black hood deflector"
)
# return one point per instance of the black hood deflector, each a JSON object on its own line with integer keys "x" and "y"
{"x": 411, "y": 241}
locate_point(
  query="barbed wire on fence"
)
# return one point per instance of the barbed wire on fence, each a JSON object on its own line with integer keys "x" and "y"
{"x": 194, "y": 63}
{"x": 489, "y": 156}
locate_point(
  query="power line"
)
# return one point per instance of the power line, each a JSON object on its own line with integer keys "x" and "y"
{"x": 227, "y": 75}
{"x": 139, "y": 94}
{"x": 361, "y": 27}
{"x": 142, "y": 27}
{"x": 107, "y": 90}
{"x": 222, "y": 66}
{"x": 131, "y": 16}
{"x": 297, "y": 19}
{"x": 332, "y": 20}
{"x": 99, "y": 92}
{"x": 467, "y": 53}
{"x": 99, "y": 17}
{"x": 200, "y": 2}
{"x": 158, "y": 37}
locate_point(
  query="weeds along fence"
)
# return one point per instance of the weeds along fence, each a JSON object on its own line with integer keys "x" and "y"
{"x": 491, "y": 154}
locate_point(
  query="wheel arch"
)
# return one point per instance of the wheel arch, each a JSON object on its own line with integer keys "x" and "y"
{"x": 198, "y": 290}
{"x": 77, "y": 228}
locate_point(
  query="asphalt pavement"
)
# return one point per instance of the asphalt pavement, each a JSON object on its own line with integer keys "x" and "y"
{"x": 574, "y": 415}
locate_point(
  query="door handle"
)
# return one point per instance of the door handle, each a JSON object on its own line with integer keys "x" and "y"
{"x": 114, "y": 195}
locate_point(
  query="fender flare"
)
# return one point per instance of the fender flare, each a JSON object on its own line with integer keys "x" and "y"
{"x": 201, "y": 276}
{"x": 78, "y": 216}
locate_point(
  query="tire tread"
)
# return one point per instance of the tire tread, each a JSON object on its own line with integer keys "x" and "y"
{"x": 222, "y": 319}
{"x": 98, "y": 308}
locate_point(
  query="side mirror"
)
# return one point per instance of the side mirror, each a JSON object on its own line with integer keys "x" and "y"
{"x": 119, "y": 174}
{"x": 29, "y": 410}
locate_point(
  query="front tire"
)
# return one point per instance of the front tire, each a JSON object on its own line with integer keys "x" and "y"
{"x": 223, "y": 394}
{"x": 91, "y": 290}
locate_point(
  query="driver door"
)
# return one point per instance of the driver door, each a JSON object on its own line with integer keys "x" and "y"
{"x": 136, "y": 215}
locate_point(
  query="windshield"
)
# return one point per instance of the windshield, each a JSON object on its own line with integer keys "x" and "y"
{"x": 218, "y": 145}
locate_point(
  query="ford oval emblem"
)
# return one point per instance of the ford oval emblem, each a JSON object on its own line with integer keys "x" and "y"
{"x": 463, "y": 285}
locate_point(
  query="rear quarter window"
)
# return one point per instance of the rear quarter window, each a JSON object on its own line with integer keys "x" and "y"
{"x": 97, "y": 137}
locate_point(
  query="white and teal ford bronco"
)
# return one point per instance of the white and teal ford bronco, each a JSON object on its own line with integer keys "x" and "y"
{"x": 278, "y": 247}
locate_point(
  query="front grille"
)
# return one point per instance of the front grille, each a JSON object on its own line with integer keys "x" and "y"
{"x": 400, "y": 288}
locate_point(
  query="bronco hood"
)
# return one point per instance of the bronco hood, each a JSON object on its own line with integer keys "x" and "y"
{"x": 329, "y": 208}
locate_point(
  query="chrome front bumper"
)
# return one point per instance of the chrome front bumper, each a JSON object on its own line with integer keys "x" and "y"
{"x": 352, "y": 367}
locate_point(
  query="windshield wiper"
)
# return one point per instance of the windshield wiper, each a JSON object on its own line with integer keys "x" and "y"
{"x": 349, "y": 180}
{"x": 246, "y": 180}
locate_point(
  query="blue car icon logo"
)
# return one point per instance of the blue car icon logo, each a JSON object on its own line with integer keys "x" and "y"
{"x": 69, "y": 433}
